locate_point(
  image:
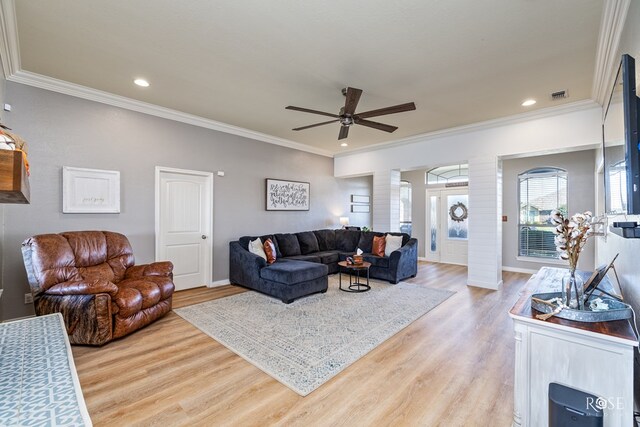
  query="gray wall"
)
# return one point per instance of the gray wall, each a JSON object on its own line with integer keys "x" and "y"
{"x": 581, "y": 197}
{"x": 67, "y": 131}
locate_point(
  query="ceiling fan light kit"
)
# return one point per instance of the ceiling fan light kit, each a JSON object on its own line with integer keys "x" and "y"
{"x": 348, "y": 117}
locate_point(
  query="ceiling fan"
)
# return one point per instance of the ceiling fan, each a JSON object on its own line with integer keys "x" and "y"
{"x": 348, "y": 116}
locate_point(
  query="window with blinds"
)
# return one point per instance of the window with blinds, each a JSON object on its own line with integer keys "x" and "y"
{"x": 540, "y": 191}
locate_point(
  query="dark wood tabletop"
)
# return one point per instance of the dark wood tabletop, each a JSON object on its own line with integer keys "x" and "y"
{"x": 362, "y": 266}
{"x": 549, "y": 279}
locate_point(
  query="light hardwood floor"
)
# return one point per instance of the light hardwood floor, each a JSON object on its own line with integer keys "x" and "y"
{"x": 452, "y": 367}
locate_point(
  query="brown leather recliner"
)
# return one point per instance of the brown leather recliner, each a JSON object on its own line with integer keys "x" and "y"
{"x": 90, "y": 277}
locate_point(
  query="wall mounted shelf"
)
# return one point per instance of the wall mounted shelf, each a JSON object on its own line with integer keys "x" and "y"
{"x": 14, "y": 181}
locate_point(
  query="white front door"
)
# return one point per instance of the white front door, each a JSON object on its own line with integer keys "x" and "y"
{"x": 184, "y": 224}
{"x": 447, "y": 226}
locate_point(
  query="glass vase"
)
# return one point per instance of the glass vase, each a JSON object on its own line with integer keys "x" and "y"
{"x": 572, "y": 290}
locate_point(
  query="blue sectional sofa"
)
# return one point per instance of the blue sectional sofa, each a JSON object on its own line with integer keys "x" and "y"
{"x": 305, "y": 259}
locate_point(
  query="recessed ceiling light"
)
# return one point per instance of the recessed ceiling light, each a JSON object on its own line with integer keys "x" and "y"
{"x": 344, "y": 144}
{"x": 141, "y": 82}
{"x": 528, "y": 102}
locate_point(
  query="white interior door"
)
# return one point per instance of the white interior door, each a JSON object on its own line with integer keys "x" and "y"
{"x": 183, "y": 224}
{"x": 447, "y": 226}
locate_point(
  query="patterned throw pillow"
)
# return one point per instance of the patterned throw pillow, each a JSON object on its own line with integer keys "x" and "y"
{"x": 393, "y": 243}
{"x": 378, "y": 246}
{"x": 270, "y": 251}
{"x": 255, "y": 247}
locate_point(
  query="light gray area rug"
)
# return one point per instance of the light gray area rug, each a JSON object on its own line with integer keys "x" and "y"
{"x": 307, "y": 342}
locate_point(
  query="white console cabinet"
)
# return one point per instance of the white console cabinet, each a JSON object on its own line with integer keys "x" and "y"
{"x": 596, "y": 358}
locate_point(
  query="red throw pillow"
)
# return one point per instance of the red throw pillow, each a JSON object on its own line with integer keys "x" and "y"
{"x": 379, "y": 244}
{"x": 270, "y": 251}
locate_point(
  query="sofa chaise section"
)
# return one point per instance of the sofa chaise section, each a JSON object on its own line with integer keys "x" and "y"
{"x": 304, "y": 259}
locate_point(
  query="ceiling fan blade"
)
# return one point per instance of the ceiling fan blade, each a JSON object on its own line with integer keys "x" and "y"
{"x": 317, "y": 124}
{"x": 344, "y": 132}
{"x": 375, "y": 125}
{"x": 409, "y": 106}
{"x": 353, "y": 97}
{"x": 306, "y": 110}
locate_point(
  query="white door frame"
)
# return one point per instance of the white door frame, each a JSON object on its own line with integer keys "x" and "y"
{"x": 209, "y": 176}
{"x": 440, "y": 193}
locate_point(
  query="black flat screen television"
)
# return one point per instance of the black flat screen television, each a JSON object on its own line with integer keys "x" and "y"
{"x": 621, "y": 145}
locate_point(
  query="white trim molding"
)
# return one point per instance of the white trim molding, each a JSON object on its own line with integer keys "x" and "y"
{"x": 72, "y": 89}
{"x": 614, "y": 15}
{"x": 11, "y": 67}
{"x": 519, "y": 270}
{"x": 485, "y": 285}
{"x": 217, "y": 283}
{"x": 542, "y": 260}
{"x": 9, "y": 46}
{"x": 474, "y": 127}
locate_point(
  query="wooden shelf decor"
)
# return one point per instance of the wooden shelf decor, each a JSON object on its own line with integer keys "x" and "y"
{"x": 14, "y": 181}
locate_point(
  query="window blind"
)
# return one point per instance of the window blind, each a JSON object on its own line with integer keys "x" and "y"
{"x": 540, "y": 191}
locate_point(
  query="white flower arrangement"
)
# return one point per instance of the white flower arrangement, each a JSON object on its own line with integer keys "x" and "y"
{"x": 571, "y": 234}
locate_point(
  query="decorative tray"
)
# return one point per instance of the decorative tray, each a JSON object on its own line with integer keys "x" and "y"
{"x": 617, "y": 310}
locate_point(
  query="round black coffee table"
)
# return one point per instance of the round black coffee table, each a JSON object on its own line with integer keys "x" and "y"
{"x": 354, "y": 273}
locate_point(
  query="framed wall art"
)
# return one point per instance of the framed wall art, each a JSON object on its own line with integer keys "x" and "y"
{"x": 90, "y": 190}
{"x": 359, "y": 199}
{"x": 287, "y": 195}
{"x": 360, "y": 208}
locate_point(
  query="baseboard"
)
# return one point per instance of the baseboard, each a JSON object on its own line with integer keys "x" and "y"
{"x": 485, "y": 285}
{"x": 422, "y": 258}
{"x": 519, "y": 270}
{"x": 219, "y": 283}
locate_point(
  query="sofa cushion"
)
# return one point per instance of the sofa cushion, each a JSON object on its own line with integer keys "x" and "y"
{"x": 326, "y": 240}
{"x": 377, "y": 261}
{"x": 347, "y": 240}
{"x": 288, "y": 244}
{"x": 308, "y": 258}
{"x": 270, "y": 251}
{"x": 393, "y": 243}
{"x": 293, "y": 272}
{"x": 328, "y": 257}
{"x": 244, "y": 242}
{"x": 308, "y": 242}
{"x": 366, "y": 240}
{"x": 256, "y": 247}
{"x": 379, "y": 243}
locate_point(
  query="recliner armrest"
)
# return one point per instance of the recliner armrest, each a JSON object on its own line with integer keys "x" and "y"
{"x": 161, "y": 268}
{"x": 79, "y": 287}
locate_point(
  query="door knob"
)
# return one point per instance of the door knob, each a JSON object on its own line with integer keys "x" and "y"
{"x": 204, "y": 237}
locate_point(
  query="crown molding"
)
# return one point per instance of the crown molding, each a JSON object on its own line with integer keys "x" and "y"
{"x": 10, "y": 63}
{"x": 614, "y": 15}
{"x": 474, "y": 127}
{"x": 78, "y": 91}
{"x": 9, "y": 51}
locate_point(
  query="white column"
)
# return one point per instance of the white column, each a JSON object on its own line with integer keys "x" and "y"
{"x": 485, "y": 226}
{"x": 386, "y": 200}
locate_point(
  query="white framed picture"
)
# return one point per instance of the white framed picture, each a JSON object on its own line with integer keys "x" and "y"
{"x": 287, "y": 195}
{"x": 90, "y": 190}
